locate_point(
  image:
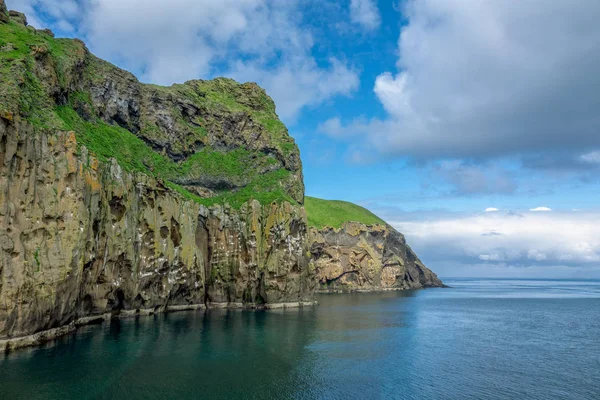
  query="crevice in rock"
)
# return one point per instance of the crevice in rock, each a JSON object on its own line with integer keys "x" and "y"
{"x": 119, "y": 301}
{"x": 261, "y": 297}
{"x": 164, "y": 232}
{"x": 87, "y": 305}
{"x": 175, "y": 233}
{"x": 117, "y": 208}
{"x": 329, "y": 281}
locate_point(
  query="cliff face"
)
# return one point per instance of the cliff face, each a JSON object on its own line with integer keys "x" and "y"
{"x": 81, "y": 238}
{"x": 360, "y": 257}
{"x": 118, "y": 197}
{"x": 216, "y": 141}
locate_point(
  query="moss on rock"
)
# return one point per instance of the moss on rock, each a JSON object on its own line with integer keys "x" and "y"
{"x": 218, "y": 137}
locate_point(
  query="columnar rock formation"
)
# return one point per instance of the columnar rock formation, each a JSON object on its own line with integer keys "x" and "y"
{"x": 121, "y": 198}
{"x": 80, "y": 237}
{"x": 118, "y": 197}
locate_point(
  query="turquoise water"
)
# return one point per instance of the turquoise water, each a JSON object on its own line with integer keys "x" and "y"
{"x": 480, "y": 339}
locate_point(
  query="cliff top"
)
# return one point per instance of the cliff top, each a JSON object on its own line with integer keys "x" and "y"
{"x": 213, "y": 141}
{"x": 334, "y": 213}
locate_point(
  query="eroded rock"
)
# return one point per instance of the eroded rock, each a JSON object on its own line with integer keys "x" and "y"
{"x": 360, "y": 257}
{"x": 81, "y": 238}
{"x": 18, "y": 17}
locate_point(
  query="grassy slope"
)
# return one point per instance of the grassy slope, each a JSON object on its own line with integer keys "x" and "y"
{"x": 18, "y": 46}
{"x": 334, "y": 213}
{"x": 107, "y": 141}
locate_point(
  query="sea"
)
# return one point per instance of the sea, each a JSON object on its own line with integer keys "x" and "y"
{"x": 477, "y": 339}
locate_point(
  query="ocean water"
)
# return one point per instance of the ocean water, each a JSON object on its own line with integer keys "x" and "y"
{"x": 480, "y": 339}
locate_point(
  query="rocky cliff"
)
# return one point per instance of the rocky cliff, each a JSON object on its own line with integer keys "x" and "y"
{"x": 364, "y": 255}
{"x": 118, "y": 197}
{"x": 359, "y": 257}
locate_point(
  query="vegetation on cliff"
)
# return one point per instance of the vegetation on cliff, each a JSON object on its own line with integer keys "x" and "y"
{"x": 94, "y": 169}
{"x": 213, "y": 142}
{"x": 334, "y": 213}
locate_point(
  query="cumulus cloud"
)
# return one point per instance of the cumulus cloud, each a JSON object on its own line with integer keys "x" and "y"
{"x": 168, "y": 42}
{"x": 491, "y": 209}
{"x": 501, "y": 240}
{"x": 487, "y": 79}
{"x": 62, "y": 11}
{"x": 299, "y": 82}
{"x": 365, "y": 13}
{"x": 541, "y": 209}
{"x": 333, "y": 127}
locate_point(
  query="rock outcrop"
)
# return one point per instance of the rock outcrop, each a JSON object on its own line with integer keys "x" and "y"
{"x": 81, "y": 238}
{"x": 359, "y": 257}
{"x": 3, "y": 12}
{"x": 119, "y": 198}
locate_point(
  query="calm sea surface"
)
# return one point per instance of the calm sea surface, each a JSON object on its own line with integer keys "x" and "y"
{"x": 480, "y": 339}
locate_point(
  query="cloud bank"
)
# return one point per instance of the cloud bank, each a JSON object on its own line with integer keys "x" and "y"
{"x": 489, "y": 79}
{"x": 495, "y": 241}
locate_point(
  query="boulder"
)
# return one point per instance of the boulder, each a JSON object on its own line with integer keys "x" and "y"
{"x": 18, "y": 17}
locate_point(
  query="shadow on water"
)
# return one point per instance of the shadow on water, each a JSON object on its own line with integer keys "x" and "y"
{"x": 219, "y": 353}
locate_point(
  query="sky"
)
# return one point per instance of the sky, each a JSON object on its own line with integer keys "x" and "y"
{"x": 470, "y": 126}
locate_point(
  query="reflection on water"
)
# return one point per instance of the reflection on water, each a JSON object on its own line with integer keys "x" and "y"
{"x": 478, "y": 339}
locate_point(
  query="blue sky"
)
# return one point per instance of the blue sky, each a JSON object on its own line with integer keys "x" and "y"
{"x": 428, "y": 112}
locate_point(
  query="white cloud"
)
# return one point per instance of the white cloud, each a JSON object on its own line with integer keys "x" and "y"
{"x": 299, "y": 82}
{"x": 591, "y": 157}
{"x": 331, "y": 127}
{"x": 486, "y": 79}
{"x": 167, "y": 42}
{"x": 63, "y": 11}
{"x": 365, "y": 13}
{"x": 491, "y": 257}
{"x": 533, "y": 254}
{"x": 541, "y": 240}
{"x": 541, "y": 209}
{"x": 491, "y": 209}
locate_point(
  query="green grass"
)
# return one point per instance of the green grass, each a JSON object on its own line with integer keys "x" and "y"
{"x": 233, "y": 97}
{"x": 222, "y": 95}
{"x": 230, "y": 164}
{"x": 23, "y": 92}
{"x": 265, "y": 188}
{"x": 107, "y": 141}
{"x": 36, "y": 256}
{"x": 334, "y": 213}
{"x": 20, "y": 89}
{"x": 236, "y": 165}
